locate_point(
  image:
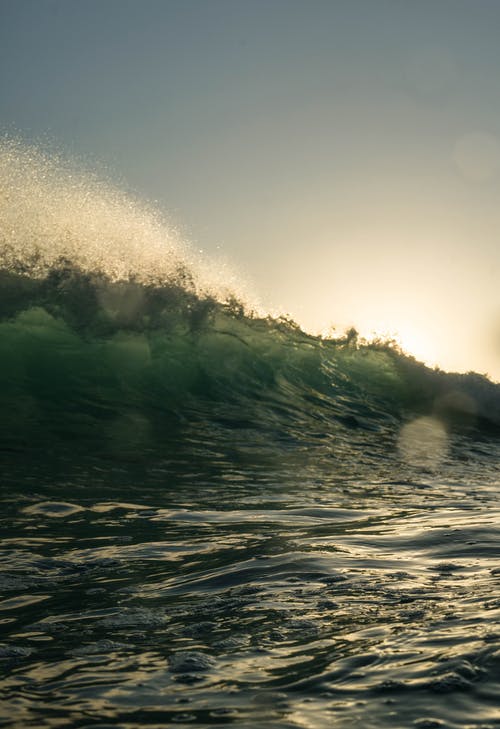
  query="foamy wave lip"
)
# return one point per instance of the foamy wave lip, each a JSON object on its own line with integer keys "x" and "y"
{"x": 51, "y": 210}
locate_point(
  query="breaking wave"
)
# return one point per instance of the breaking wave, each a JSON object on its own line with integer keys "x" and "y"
{"x": 114, "y": 335}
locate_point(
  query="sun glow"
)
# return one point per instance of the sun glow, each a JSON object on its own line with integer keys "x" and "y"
{"x": 411, "y": 340}
{"x": 417, "y": 344}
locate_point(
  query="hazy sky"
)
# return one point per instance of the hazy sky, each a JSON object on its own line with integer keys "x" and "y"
{"x": 344, "y": 154}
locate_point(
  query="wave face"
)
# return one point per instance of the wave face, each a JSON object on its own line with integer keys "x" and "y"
{"x": 84, "y": 356}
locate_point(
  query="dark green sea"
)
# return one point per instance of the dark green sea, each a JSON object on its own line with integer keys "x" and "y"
{"x": 211, "y": 518}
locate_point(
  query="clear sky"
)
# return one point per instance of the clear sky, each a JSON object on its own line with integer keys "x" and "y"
{"x": 344, "y": 154}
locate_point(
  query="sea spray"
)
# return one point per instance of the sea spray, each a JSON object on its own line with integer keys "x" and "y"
{"x": 53, "y": 210}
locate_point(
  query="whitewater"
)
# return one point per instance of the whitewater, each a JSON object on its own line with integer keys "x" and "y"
{"x": 210, "y": 517}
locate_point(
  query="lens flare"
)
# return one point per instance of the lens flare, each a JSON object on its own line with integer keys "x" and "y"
{"x": 423, "y": 442}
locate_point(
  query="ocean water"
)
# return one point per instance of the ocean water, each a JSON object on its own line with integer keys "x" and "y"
{"x": 211, "y": 518}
